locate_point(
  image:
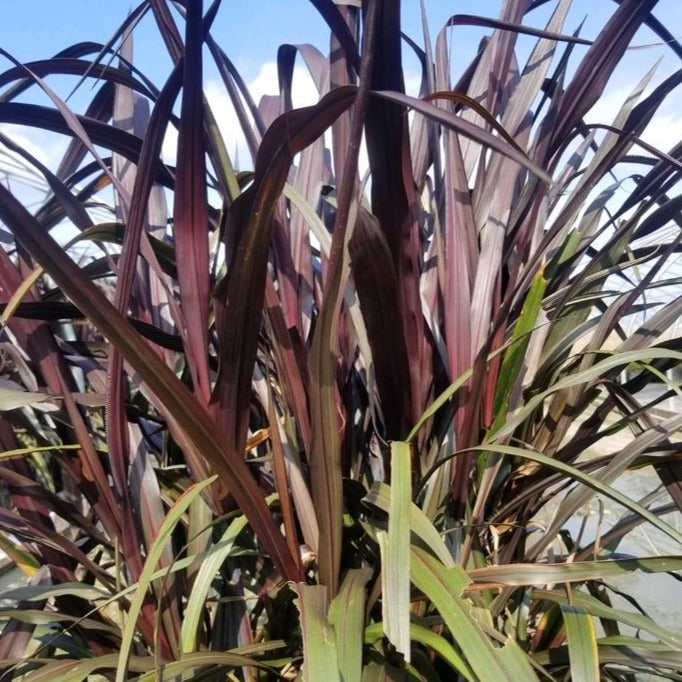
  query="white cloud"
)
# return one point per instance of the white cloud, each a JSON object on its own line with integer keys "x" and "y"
{"x": 46, "y": 146}
{"x": 304, "y": 93}
{"x": 29, "y": 139}
{"x": 663, "y": 131}
{"x": 413, "y": 82}
{"x": 170, "y": 145}
{"x": 17, "y": 173}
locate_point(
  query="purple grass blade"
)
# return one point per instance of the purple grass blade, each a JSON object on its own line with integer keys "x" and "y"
{"x": 130, "y": 112}
{"x": 176, "y": 402}
{"x": 98, "y": 132}
{"x": 325, "y": 459}
{"x": 75, "y": 67}
{"x": 340, "y": 75}
{"x": 307, "y": 181}
{"x": 472, "y": 20}
{"x": 281, "y": 479}
{"x": 336, "y": 21}
{"x": 394, "y": 199}
{"x": 465, "y": 128}
{"x": 100, "y": 109}
{"x": 241, "y": 292}
{"x": 376, "y": 283}
{"x": 190, "y": 208}
{"x": 236, "y": 89}
{"x": 290, "y": 357}
{"x": 595, "y": 69}
{"x": 135, "y": 212}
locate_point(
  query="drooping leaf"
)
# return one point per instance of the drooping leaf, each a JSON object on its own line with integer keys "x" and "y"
{"x": 443, "y": 586}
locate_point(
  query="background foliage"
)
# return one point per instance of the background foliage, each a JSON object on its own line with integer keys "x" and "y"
{"x": 335, "y": 419}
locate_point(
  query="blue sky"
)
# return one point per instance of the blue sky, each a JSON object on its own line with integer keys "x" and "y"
{"x": 34, "y": 29}
{"x": 37, "y": 28}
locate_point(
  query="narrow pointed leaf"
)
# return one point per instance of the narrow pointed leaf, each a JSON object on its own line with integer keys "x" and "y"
{"x": 443, "y": 586}
{"x": 190, "y": 209}
{"x": 150, "y": 565}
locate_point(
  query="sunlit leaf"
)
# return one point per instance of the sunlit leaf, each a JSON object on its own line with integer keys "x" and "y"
{"x": 582, "y": 644}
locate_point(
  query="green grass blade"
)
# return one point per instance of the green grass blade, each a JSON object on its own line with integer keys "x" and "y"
{"x": 395, "y": 548}
{"x": 516, "y": 662}
{"x": 642, "y": 659}
{"x": 432, "y": 641}
{"x": 22, "y": 559}
{"x": 347, "y": 615}
{"x": 441, "y": 400}
{"x": 202, "y": 584}
{"x": 582, "y": 644}
{"x": 320, "y": 658}
{"x": 191, "y": 664}
{"x": 153, "y": 556}
{"x": 579, "y": 571}
{"x": 78, "y": 671}
{"x": 514, "y": 357}
{"x": 443, "y": 586}
{"x": 589, "y": 481}
{"x": 594, "y": 607}
{"x": 39, "y": 592}
{"x": 380, "y": 672}
{"x": 315, "y": 224}
{"x": 421, "y": 527}
{"x": 51, "y": 618}
{"x": 20, "y": 452}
